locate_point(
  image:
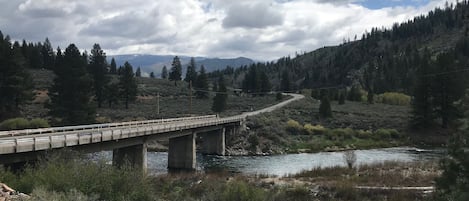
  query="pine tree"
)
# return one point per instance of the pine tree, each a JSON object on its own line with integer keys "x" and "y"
{"x": 219, "y": 101}
{"x": 112, "y": 94}
{"x": 113, "y": 67}
{"x": 127, "y": 85}
{"x": 422, "y": 104}
{"x": 448, "y": 88}
{"x": 71, "y": 93}
{"x": 265, "y": 83}
{"x": 98, "y": 70}
{"x": 15, "y": 82}
{"x": 285, "y": 84}
{"x": 201, "y": 84}
{"x": 138, "y": 72}
{"x": 325, "y": 107}
{"x": 175, "y": 74}
{"x": 191, "y": 73}
{"x": 152, "y": 75}
{"x": 48, "y": 55}
{"x": 164, "y": 73}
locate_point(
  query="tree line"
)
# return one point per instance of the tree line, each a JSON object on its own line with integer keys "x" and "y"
{"x": 82, "y": 81}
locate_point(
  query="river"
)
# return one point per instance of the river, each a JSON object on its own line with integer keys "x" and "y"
{"x": 281, "y": 165}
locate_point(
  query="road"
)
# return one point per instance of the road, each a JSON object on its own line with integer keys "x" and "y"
{"x": 273, "y": 107}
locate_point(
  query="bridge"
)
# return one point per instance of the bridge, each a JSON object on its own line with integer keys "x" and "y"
{"x": 128, "y": 140}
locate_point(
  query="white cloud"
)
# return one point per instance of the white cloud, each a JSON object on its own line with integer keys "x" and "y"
{"x": 260, "y": 29}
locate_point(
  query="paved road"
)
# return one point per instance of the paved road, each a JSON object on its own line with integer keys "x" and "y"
{"x": 273, "y": 107}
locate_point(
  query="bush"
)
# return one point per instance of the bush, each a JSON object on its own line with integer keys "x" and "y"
{"x": 240, "y": 191}
{"x": 294, "y": 127}
{"x": 310, "y": 129}
{"x": 341, "y": 134}
{"x": 384, "y": 133}
{"x": 14, "y": 124}
{"x": 350, "y": 158}
{"x": 393, "y": 98}
{"x": 279, "y": 96}
{"x": 22, "y": 123}
{"x": 38, "y": 123}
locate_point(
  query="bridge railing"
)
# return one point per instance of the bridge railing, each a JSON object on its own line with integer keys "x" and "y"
{"x": 98, "y": 126}
{"x": 26, "y": 143}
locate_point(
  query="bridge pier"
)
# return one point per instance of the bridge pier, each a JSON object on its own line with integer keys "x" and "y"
{"x": 213, "y": 143}
{"x": 133, "y": 156}
{"x": 181, "y": 152}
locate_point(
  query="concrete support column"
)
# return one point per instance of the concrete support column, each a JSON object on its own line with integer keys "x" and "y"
{"x": 181, "y": 152}
{"x": 133, "y": 156}
{"x": 214, "y": 142}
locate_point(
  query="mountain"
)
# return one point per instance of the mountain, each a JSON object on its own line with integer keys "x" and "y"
{"x": 386, "y": 59}
{"x": 155, "y": 63}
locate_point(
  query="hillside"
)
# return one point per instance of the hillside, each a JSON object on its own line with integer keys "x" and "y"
{"x": 394, "y": 53}
{"x": 155, "y": 63}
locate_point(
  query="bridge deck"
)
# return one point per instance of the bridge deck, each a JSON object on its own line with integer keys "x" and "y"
{"x": 42, "y": 139}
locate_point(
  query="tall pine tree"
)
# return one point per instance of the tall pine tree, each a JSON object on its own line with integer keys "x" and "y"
{"x": 164, "y": 73}
{"x": 71, "y": 93}
{"x": 113, "y": 67}
{"x": 191, "y": 73}
{"x": 98, "y": 70}
{"x": 176, "y": 70}
{"x": 219, "y": 101}
{"x": 127, "y": 85}
{"x": 201, "y": 84}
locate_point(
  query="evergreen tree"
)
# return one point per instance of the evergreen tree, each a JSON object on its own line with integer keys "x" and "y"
{"x": 112, "y": 94}
{"x": 164, "y": 73}
{"x": 71, "y": 93}
{"x": 265, "y": 83}
{"x": 285, "y": 84}
{"x": 422, "y": 104}
{"x": 325, "y": 107}
{"x": 448, "y": 88}
{"x": 15, "y": 82}
{"x": 201, "y": 84}
{"x": 176, "y": 70}
{"x": 127, "y": 85}
{"x": 98, "y": 70}
{"x": 113, "y": 67}
{"x": 191, "y": 73}
{"x": 454, "y": 181}
{"x": 138, "y": 72}
{"x": 48, "y": 55}
{"x": 152, "y": 75}
{"x": 219, "y": 101}
{"x": 342, "y": 95}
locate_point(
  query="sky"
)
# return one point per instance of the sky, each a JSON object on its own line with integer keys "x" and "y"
{"x": 263, "y": 30}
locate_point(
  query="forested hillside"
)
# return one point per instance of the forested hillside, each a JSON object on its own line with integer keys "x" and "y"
{"x": 387, "y": 58}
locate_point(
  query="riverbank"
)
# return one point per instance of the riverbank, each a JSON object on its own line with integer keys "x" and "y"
{"x": 67, "y": 176}
{"x": 296, "y": 128}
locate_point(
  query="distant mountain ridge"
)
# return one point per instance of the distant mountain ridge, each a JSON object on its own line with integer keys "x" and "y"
{"x": 154, "y": 63}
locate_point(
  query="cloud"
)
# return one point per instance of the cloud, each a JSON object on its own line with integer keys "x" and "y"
{"x": 258, "y": 15}
{"x": 260, "y": 29}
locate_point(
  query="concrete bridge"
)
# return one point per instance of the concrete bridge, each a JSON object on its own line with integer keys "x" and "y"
{"x": 128, "y": 140}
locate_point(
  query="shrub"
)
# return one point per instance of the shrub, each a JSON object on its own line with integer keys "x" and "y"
{"x": 325, "y": 110}
{"x": 350, "y": 158}
{"x": 279, "y": 96}
{"x": 310, "y": 129}
{"x": 38, "y": 123}
{"x": 294, "y": 127}
{"x": 14, "y": 124}
{"x": 240, "y": 190}
{"x": 393, "y": 98}
{"x": 341, "y": 134}
{"x": 386, "y": 133}
{"x": 362, "y": 134}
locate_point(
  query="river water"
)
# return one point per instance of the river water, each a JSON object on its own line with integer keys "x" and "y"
{"x": 281, "y": 165}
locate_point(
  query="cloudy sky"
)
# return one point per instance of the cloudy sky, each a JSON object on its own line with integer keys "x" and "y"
{"x": 259, "y": 29}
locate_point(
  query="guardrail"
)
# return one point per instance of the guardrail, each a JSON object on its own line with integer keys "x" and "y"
{"x": 97, "y": 126}
{"x": 26, "y": 143}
